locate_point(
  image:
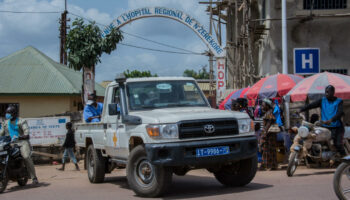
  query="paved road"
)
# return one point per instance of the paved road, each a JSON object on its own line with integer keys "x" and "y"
{"x": 199, "y": 184}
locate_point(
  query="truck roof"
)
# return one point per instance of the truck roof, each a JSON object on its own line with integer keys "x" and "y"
{"x": 170, "y": 78}
{"x": 165, "y": 78}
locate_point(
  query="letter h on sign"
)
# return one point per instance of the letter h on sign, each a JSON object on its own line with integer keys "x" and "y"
{"x": 306, "y": 60}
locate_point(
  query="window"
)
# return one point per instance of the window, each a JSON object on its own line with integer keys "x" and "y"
{"x": 263, "y": 10}
{"x": 324, "y": 4}
{"x": 164, "y": 94}
{"x": 339, "y": 71}
{"x": 116, "y": 96}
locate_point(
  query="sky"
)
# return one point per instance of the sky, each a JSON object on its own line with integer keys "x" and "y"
{"x": 19, "y": 30}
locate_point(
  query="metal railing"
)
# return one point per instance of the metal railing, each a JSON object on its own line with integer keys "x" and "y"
{"x": 324, "y": 4}
{"x": 339, "y": 71}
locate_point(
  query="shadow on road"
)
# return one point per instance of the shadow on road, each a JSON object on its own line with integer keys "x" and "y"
{"x": 197, "y": 186}
{"x": 27, "y": 187}
{"x": 189, "y": 186}
{"x": 119, "y": 180}
{"x": 316, "y": 173}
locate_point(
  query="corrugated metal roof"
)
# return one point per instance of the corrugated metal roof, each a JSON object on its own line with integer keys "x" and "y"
{"x": 105, "y": 83}
{"x": 205, "y": 86}
{"x": 29, "y": 71}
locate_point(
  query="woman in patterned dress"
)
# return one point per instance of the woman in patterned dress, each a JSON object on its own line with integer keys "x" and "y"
{"x": 268, "y": 138}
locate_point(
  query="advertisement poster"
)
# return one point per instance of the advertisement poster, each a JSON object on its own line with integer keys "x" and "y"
{"x": 48, "y": 130}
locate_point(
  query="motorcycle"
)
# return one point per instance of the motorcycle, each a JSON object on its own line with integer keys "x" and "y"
{"x": 341, "y": 179}
{"x": 313, "y": 144}
{"x": 12, "y": 166}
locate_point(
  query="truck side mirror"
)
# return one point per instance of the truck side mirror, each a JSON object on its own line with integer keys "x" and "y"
{"x": 113, "y": 109}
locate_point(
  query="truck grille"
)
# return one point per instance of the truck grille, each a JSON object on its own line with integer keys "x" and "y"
{"x": 196, "y": 128}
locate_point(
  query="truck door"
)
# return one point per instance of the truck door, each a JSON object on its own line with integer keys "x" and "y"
{"x": 113, "y": 126}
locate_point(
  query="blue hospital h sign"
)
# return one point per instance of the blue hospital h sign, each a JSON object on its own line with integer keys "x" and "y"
{"x": 306, "y": 60}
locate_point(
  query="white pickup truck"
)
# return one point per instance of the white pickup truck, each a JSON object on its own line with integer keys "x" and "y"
{"x": 155, "y": 127}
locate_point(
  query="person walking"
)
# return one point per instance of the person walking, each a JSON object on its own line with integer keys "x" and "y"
{"x": 268, "y": 137}
{"x": 17, "y": 128}
{"x": 69, "y": 145}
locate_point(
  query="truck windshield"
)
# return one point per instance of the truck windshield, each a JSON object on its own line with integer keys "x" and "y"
{"x": 164, "y": 94}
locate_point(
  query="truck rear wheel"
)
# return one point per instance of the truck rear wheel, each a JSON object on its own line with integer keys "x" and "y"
{"x": 238, "y": 174}
{"x": 95, "y": 165}
{"x": 146, "y": 179}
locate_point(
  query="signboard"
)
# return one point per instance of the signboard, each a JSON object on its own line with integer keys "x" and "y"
{"x": 220, "y": 78}
{"x": 48, "y": 130}
{"x": 306, "y": 60}
{"x": 177, "y": 15}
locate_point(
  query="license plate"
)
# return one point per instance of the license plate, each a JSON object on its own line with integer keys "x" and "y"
{"x": 3, "y": 153}
{"x": 212, "y": 151}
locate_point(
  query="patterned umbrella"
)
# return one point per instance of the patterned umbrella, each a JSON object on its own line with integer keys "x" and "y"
{"x": 273, "y": 86}
{"x": 314, "y": 86}
{"x": 226, "y": 104}
{"x": 222, "y": 104}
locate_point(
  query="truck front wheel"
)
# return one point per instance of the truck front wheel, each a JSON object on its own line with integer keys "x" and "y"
{"x": 237, "y": 174}
{"x": 95, "y": 165}
{"x": 146, "y": 179}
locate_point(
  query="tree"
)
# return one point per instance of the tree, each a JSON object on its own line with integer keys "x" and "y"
{"x": 138, "y": 74}
{"x": 201, "y": 74}
{"x": 85, "y": 46}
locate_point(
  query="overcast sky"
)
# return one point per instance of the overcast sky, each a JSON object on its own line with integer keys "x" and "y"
{"x": 41, "y": 31}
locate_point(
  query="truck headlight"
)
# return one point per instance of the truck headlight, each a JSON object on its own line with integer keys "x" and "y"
{"x": 163, "y": 131}
{"x": 245, "y": 125}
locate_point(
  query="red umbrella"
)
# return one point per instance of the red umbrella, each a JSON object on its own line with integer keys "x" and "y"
{"x": 273, "y": 86}
{"x": 222, "y": 104}
{"x": 226, "y": 104}
{"x": 314, "y": 86}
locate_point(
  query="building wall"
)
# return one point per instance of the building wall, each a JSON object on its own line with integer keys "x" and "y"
{"x": 37, "y": 106}
{"x": 330, "y": 34}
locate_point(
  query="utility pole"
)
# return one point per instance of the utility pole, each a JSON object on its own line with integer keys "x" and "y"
{"x": 63, "y": 35}
{"x": 284, "y": 39}
{"x": 211, "y": 70}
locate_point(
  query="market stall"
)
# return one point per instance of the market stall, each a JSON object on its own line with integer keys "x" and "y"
{"x": 313, "y": 88}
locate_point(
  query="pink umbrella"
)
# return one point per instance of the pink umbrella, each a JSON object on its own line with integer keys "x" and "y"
{"x": 314, "y": 86}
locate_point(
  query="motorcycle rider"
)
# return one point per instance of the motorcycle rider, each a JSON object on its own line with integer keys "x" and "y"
{"x": 331, "y": 113}
{"x": 18, "y": 130}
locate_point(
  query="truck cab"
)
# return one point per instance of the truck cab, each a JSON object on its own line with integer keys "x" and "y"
{"x": 155, "y": 127}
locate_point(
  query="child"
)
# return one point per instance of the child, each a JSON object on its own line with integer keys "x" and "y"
{"x": 69, "y": 145}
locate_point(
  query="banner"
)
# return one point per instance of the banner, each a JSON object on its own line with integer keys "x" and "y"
{"x": 89, "y": 83}
{"x": 220, "y": 78}
{"x": 48, "y": 130}
{"x": 171, "y": 13}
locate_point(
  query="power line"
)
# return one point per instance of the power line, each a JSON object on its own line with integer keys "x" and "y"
{"x": 159, "y": 50}
{"x": 167, "y": 45}
{"x": 140, "y": 37}
{"x": 27, "y": 12}
{"x": 130, "y": 45}
{"x": 88, "y": 19}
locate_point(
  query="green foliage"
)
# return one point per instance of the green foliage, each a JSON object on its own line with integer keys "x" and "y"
{"x": 138, "y": 74}
{"x": 85, "y": 44}
{"x": 201, "y": 74}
